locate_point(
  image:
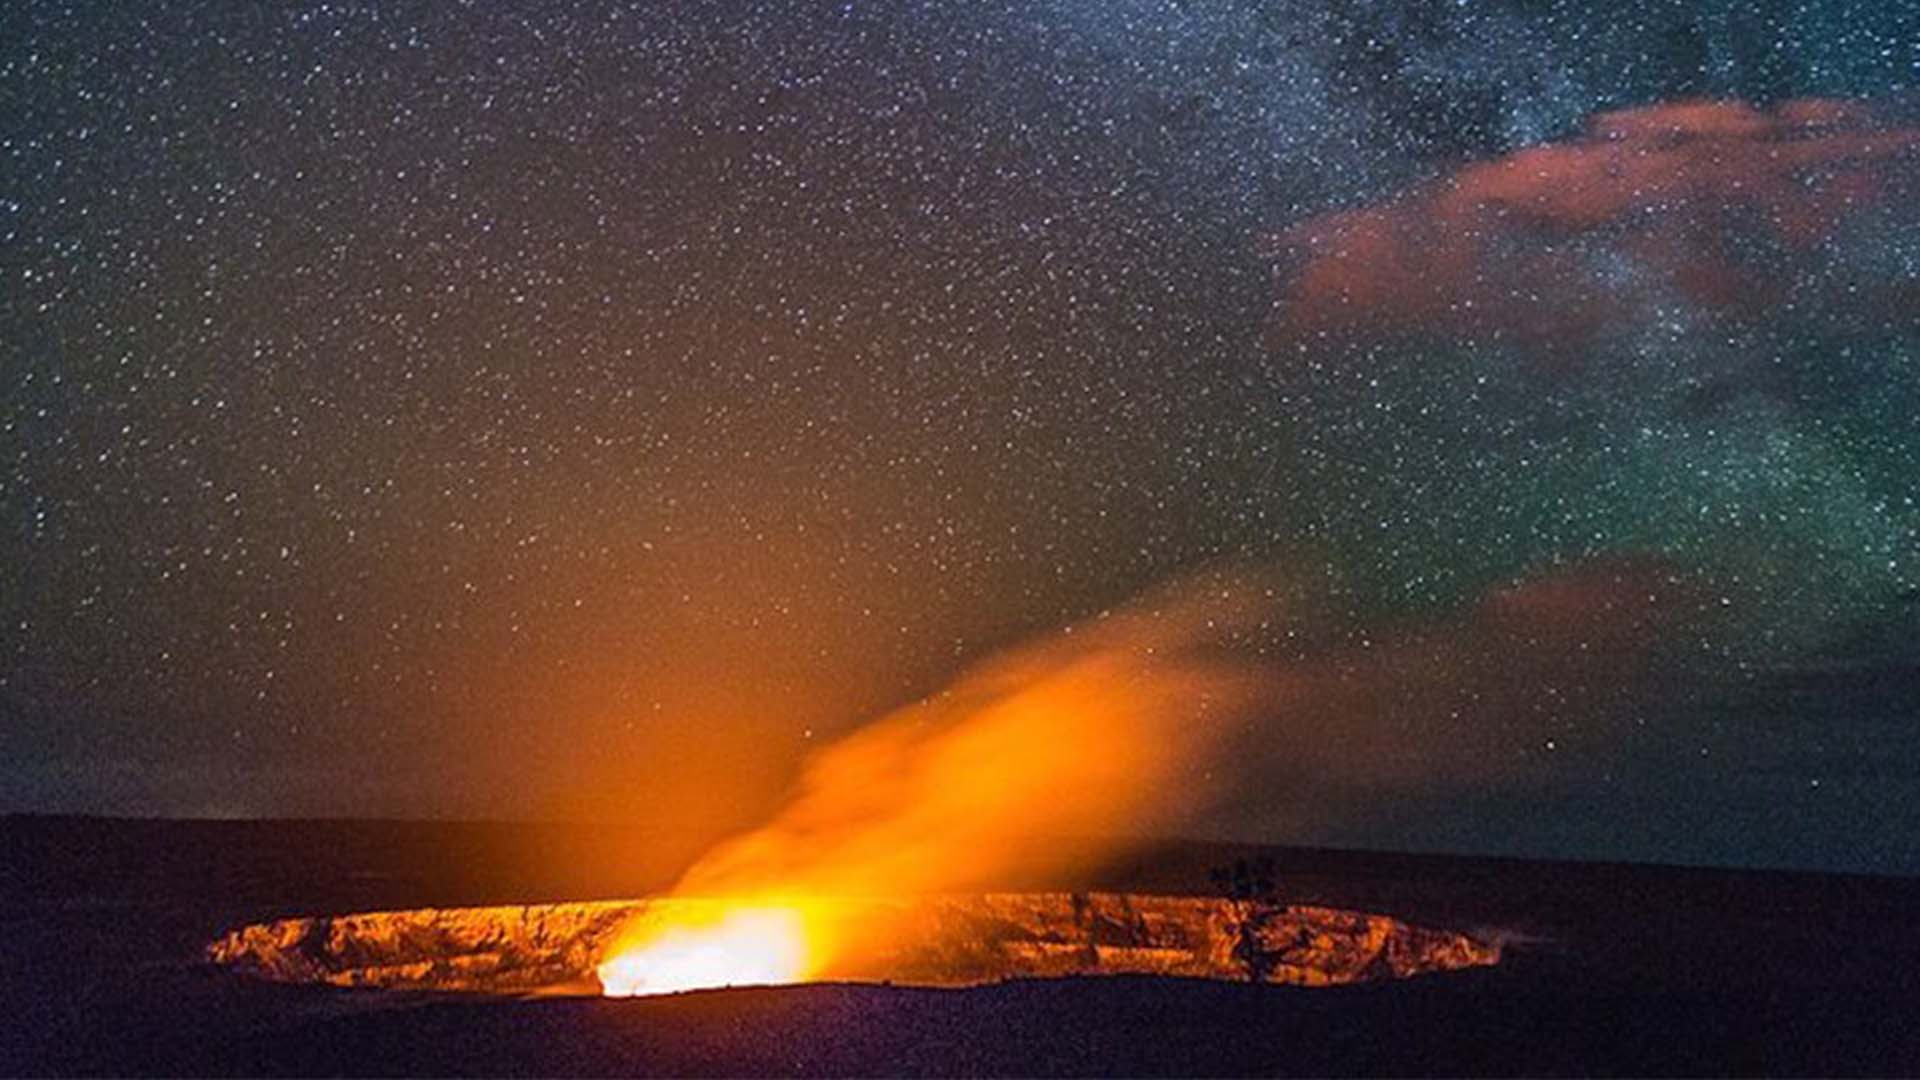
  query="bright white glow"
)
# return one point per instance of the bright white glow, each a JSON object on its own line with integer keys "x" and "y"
{"x": 743, "y": 947}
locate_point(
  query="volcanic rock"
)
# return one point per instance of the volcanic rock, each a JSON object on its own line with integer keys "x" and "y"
{"x": 933, "y": 941}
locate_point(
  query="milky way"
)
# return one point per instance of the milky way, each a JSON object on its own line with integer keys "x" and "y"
{"x": 580, "y": 410}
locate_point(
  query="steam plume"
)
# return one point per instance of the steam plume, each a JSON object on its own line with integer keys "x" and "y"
{"x": 1101, "y": 730}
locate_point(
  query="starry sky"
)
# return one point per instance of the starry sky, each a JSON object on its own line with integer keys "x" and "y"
{"x": 578, "y": 410}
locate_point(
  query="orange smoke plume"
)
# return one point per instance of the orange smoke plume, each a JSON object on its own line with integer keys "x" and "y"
{"x": 1099, "y": 730}
{"x": 1045, "y": 755}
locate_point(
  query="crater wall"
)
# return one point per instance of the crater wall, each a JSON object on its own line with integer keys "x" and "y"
{"x": 932, "y": 941}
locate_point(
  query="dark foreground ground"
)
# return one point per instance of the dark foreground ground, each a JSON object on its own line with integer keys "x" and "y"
{"x": 1634, "y": 970}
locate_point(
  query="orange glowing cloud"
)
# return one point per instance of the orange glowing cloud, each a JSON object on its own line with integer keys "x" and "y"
{"x": 1103, "y": 730}
{"x": 1066, "y": 750}
{"x": 1053, "y": 752}
{"x": 1714, "y": 203}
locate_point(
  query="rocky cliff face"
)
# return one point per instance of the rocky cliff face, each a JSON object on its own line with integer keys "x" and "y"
{"x": 502, "y": 949}
{"x": 937, "y": 941}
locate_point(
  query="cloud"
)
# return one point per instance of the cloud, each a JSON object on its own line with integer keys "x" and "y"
{"x": 1047, "y": 752}
{"x": 1189, "y": 706}
{"x": 1714, "y": 206}
{"x": 1471, "y": 703}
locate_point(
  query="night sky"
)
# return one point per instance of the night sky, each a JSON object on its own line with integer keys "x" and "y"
{"x": 587, "y": 411}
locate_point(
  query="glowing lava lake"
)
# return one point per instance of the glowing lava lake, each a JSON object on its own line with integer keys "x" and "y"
{"x": 670, "y": 944}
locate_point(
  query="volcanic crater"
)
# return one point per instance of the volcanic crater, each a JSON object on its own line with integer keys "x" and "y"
{"x": 951, "y": 940}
